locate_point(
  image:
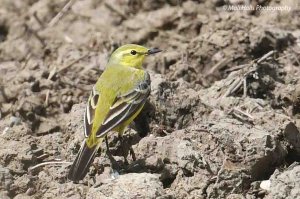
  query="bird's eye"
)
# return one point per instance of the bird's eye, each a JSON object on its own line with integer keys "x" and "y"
{"x": 133, "y": 52}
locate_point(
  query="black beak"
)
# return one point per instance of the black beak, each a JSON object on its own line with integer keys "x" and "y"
{"x": 153, "y": 51}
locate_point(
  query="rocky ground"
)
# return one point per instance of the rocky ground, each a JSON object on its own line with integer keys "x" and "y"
{"x": 224, "y": 110}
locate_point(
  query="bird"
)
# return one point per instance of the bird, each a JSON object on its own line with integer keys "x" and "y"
{"x": 114, "y": 102}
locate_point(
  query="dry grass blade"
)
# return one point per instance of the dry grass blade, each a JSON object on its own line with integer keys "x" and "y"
{"x": 36, "y": 35}
{"x": 235, "y": 68}
{"x": 52, "y": 73}
{"x": 242, "y": 73}
{"x": 233, "y": 87}
{"x": 41, "y": 24}
{"x": 59, "y": 15}
{"x": 241, "y": 115}
{"x": 47, "y": 98}
{"x": 266, "y": 56}
{"x": 221, "y": 64}
{"x": 48, "y": 163}
{"x": 116, "y": 10}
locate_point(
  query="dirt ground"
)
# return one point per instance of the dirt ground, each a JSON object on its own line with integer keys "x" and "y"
{"x": 224, "y": 110}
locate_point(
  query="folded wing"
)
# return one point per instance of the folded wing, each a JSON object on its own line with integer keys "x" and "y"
{"x": 125, "y": 106}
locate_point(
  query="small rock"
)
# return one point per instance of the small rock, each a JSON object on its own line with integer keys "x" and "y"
{"x": 265, "y": 184}
{"x": 285, "y": 184}
{"x": 14, "y": 121}
{"x": 48, "y": 127}
{"x": 35, "y": 86}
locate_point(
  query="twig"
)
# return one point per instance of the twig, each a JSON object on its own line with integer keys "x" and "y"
{"x": 239, "y": 67}
{"x": 116, "y": 10}
{"x": 27, "y": 58}
{"x": 243, "y": 113}
{"x": 61, "y": 13}
{"x": 52, "y": 73}
{"x": 47, "y": 98}
{"x": 41, "y": 24}
{"x": 245, "y": 87}
{"x": 263, "y": 58}
{"x": 43, "y": 156}
{"x": 233, "y": 87}
{"x": 219, "y": 65}
{"x": 36, "y": 35}
{"x": 239, "y": 81}
{"x": 47, "y": 163}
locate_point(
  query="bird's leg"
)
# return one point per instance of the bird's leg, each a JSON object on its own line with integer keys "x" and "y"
{"x": 132, "y": 153}
{"x": 123, "y": 148}
{"x": 114, "y": 164}
{"x": 107, "y": 146}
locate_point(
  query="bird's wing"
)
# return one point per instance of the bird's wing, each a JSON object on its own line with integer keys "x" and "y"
{"x": 90, "y": 111}
{"x": 125, "y": 106}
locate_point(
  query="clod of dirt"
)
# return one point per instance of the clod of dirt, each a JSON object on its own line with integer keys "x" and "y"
{"x": 285, "y": 184}
{"x": 6, "y": 179}
{"x": 48, "y": 127}
{"x": 131, "y": 185}
{"x": 4, "y": 195}
{"x": 263, "y": 41}
{"x": 3, "y": 33}
{"x": 292, "y": 135}
{"x": 181, "y": 160}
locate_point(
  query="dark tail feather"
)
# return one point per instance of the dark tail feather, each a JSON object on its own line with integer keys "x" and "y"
{"x": 82, "y": 163}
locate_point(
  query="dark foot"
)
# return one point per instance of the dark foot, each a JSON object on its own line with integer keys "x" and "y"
{"x": 132, "y": 153}
{"x": 123, "y": 149}
{"x": 114, "y": 164}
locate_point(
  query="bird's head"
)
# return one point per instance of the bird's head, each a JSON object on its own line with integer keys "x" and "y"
{"x": 131, "y": 55}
